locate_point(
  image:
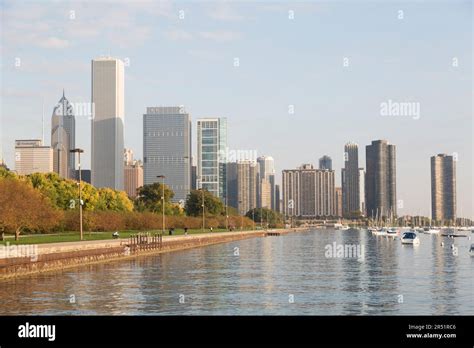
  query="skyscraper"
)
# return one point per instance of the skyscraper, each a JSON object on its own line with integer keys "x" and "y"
{"x": 443, "y": 188}
{"x": 32, "y": 157}
{"x": 350, "y": 180}
{"x": 63, "y": 134}
{"x": 247, "y": 175}
{"x": 309, "y": 192}
{"x": 133, "y": 178}
{"x": 325, "y": 162}
{"x": 380, "y": 179}
{"x": 266, "y": 190}
{"x": 232, "y": 184}
{"x": 107, "y": 123}
{"x": 211, "y": 155}
{"x": 167, "y": 148}
{"x": 338, "y": 192}
{"x": 362, "y": 192}
{"x": 325, "y": 193}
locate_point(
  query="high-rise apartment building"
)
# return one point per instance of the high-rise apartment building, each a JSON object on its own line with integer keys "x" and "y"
{"x": 443, "y": 188}
{"x": 380, "y": 179}
{"x": 266, "y": 190}
{"x": 107, "y": 123}
{"x": 32, "y": 157}
{"x": 325, "y": 162}
{"x": 63, "y": 138}
{"x": 362, "y": 208}
{"x": 211, "y": 155}
{"x": 308, "y": 192}
{"x": 338, "y": 191}
{"x": 350, "y": 180}
{"x": 167, "y": 149}
{"x": 247, "y": 176}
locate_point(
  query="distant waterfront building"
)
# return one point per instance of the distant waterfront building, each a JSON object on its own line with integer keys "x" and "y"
{"x": 277, "y": 199}
{"x": 32, "y": 157}
{"x": 133, "y": 178}
{"x": 325, "y": 162}
{"x": 266, "y": 190}
{"x": 362, "y": 208}
{"x": 85, "y": 175}
{"x": 193, "y": 177}
{"x": 338, "y": 191}
{"x": 308, "y": 192}
{"x": 443, "y": 188}
{"x": 380, "y": 179}
{"x": 127, "y": 156}
{"x": 167, "y": 148}
{"x": 350, "y": 180}
{"x": 63, "y": 133}
{"x": 325, "y": 193}
{"x": 107, "y": 123}
{"x": 211, "y": 155}
{"x": 247, "y": 176}
{"x": 232, "y": 184}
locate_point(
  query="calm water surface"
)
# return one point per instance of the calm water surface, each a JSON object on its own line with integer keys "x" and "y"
{"x": 264, "y": 278}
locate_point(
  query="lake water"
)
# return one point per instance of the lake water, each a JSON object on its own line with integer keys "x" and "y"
{"x": 284, "y": 275}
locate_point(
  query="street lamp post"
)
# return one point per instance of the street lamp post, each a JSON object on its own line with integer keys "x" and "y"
{"x": 162, "y": 177}
{"x": 79, "y": 151}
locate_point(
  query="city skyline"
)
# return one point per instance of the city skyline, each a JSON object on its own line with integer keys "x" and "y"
{"x": 443, "y": 127}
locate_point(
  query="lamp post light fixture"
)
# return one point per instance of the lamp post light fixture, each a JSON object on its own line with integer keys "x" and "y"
{"x": 162, "y": 177}
{"x": 79, "y": 151}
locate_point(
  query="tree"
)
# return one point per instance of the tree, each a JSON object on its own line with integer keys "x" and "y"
{"x": 212, "y": 204}
{"x": 149, "y": 199}
{"x": 265, "y": 215}
{"x": 23, "y": 207}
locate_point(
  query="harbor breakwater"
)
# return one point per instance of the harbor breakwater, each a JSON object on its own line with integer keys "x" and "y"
{"x": 58, "y": 256}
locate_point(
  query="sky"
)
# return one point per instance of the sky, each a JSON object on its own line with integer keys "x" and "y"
{"x": 296, "y": 80}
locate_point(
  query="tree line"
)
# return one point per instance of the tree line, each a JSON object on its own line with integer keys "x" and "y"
{"x": 45, "y": 202}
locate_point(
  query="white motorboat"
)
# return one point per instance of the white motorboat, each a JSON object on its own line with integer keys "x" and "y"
{"x": 392, "y": 232}
{"x": 381, "y": 232}
{"x": 431, "y": 230}
{"x": 410, "y": 237}
{"x": 341, "y": 227}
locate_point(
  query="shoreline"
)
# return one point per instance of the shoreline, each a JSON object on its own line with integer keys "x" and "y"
{"x": 56, "y": 257}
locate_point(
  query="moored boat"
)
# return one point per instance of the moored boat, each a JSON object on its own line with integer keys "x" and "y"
{"x": 410, "y": 237}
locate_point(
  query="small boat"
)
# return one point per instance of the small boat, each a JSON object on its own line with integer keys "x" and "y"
{"x": 431, "y": 230}
{"x": 392, "y": 232}
{"x": 410, "y": 237}
{"x": 341, "y": 227}
{"x": 471, "y": 250}
{"x": 381, "y": 232}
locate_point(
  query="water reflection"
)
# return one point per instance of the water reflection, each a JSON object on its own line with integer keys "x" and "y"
{"x": 286, "y": 275}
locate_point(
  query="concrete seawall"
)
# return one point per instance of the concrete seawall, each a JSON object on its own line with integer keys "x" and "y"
{"x": 59, "y": 256}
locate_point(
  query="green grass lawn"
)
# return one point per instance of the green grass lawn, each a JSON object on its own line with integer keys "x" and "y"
{"x": 74, "y": 236}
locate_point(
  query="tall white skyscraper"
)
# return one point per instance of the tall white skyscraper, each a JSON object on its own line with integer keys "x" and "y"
{"x": 107, "y": 124}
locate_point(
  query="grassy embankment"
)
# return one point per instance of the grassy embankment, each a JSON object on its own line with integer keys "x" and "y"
{"x": 74, "y": 236}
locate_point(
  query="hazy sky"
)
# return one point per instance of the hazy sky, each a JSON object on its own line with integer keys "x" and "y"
{"x": 333, "y": 62}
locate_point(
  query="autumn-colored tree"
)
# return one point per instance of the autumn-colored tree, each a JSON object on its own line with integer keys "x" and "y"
{"x": 23, "y": 207}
